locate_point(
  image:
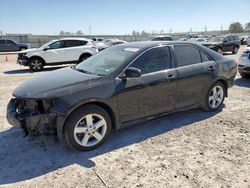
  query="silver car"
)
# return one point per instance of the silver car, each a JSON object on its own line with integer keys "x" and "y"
{"x": 244, "y": 63}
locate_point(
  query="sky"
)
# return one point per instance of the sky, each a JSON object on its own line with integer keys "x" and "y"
{"x": 118, "y": 17}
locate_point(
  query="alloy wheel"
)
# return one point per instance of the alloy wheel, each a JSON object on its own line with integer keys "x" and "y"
{"x": 36, "y": 64}
{"x": 90, "y": 130}
{"x": 216, "y": 96}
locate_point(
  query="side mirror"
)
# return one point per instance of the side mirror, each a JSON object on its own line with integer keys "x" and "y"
{"x": 131, "y": 72}
{"x": 46, "y": 48}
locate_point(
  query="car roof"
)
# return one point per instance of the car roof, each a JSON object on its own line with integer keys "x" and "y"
{"x": 75, "y": 38}
{"x": 148, "y": 44}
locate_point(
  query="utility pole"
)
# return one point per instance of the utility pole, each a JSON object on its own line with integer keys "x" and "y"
{"x": 221, "y": 28}
{"x": 205, "y": 29}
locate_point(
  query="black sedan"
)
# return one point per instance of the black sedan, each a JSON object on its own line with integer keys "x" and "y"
{"x": 121, "y": 86}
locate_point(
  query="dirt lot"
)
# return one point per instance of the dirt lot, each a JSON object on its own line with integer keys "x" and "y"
{"x": 187, "y": 149}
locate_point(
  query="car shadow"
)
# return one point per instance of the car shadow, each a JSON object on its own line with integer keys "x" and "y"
{"x": 21, "y": 159}
{"x": 242, "y": 82}
{"x": 25, "y": 71}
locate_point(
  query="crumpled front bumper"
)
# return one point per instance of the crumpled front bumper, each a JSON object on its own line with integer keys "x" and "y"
{"x": 33, "y": 123}
{"x": 22, "y": 59}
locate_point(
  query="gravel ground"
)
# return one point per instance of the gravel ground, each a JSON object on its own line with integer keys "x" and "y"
{"x": 186, "y": 149}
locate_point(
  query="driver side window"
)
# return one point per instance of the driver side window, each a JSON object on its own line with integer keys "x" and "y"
{"x": 56, "y": 45}
{"x": 154, "y": 60}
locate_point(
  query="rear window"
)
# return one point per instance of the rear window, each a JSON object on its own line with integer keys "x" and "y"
{"x": 186, "y": 55}
{"x": 2, "y": 41}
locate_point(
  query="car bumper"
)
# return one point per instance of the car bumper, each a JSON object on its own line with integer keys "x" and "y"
{"x": 22, "y": 60}
{"x": 33, "y": 123}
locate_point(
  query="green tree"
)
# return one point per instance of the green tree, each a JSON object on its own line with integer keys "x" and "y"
{"x": 235, "y": 27}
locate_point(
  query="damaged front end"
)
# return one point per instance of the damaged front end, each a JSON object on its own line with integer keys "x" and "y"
{"x": 34, "y": 116}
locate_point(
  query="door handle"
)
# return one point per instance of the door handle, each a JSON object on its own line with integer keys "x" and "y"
{"x": 171, "y": 76}
{"x": 211, "y": 68}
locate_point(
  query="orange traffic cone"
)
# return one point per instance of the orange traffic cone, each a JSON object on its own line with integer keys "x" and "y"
{"x": 6, "y": 58}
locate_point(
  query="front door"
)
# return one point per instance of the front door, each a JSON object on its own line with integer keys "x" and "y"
{"x": 151, "y": 93}
{"x": 55, "y": 54}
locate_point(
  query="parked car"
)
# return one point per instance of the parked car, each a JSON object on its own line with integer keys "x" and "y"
{"x": 62, "y": 51}
{"x": 243, "y": 40}
{"x": 244, "y": 63}
{"x": 7, "y": 45}
{"x": 121, "y": 86}
{"x": 248, "y": 41}
{"x": 108, "y": 43}
{"x": 161, "y": 38}
{"x": 224, "y": 44}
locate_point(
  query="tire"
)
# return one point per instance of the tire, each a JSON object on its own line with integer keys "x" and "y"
{"x": 80, "y": 128}
{"x": 215, "y": 97}
{"x": 235, "y": 50}
{"x": 83, "y": 57}
{"x": 36, "y": 64}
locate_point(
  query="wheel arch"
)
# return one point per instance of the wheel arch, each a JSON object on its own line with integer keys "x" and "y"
{"x": 85, "y": 54}
{"x": 224, "y": 82}
{"x": 36, "y": 56}
{"x": 61, "y": 121}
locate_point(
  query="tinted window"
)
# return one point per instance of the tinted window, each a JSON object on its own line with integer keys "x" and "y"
{"x": 167, "y": 38}
{"x": 231, "y": 38}
{"x": 83, "y": 42}
{"x": 10, "y": 42}
{"x": 186, "y": 55}
{"x": 2, "y": 41}
{"x": 153, "y": 60}
{"x": 72, "y": 43}
{"x": 56, "y": 45}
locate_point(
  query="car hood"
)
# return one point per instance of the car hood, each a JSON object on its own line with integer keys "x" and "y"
{"x": 55, "y": 84}
{"x": 29, "y": 50}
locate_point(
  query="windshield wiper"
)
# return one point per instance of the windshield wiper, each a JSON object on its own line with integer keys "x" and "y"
{"x": 81, "y": 70}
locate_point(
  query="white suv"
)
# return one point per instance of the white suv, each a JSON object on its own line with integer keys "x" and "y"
{"x": 62, "y": 51}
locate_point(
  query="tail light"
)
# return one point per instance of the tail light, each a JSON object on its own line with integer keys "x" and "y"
{"x": 93, "y": 45}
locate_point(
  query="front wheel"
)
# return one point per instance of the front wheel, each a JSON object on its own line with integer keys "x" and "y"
{"x": 87, "y": 127}
{"x": 36, "y": 64}
{"x": 215, "y": 97}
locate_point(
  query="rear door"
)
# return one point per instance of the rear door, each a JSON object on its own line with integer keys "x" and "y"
{"x": 56, "y": 53}
{"x": 151, "y": 93}
{"x": 195, "y": 73}
{"x": 74, "y": 49}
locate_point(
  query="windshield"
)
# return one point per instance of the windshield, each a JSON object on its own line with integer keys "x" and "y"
{"x": 106, "y": 61}
{"x": 215, "y": 39}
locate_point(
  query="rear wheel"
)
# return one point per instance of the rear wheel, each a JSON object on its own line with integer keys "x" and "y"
{"x": 36, "y": 64}
{"x": 87, "y": 128}
{"x": 83, "y": 57}
{"x": 215, "y": 97}
{"x": 235, "y": 50}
